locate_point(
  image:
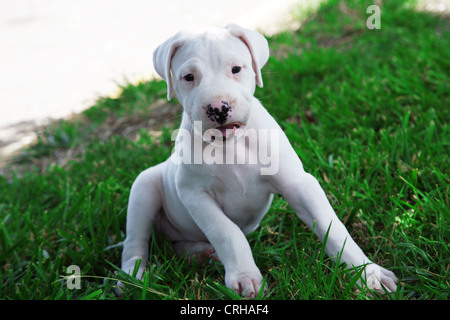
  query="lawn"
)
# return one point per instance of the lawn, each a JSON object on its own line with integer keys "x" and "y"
{"x": 367, "y": 112}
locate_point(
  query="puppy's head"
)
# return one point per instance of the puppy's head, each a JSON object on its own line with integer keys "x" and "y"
{"x": 213, "y": 72}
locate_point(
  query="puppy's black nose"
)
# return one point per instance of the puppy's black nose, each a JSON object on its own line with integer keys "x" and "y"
{"x": 218, "y": 112}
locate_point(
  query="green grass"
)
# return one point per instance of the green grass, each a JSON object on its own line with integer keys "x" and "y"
{"x": 367, "y": 112}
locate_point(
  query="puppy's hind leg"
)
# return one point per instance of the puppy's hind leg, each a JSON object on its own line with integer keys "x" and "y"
{"x": 144, "y": 204}
{"x": 202, "y": 251}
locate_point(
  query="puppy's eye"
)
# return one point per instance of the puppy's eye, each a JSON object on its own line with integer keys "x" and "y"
{"x": 189, "y": 77}
{"x": 236, "y": 69}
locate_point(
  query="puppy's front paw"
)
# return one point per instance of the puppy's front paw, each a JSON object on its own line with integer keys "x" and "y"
{"x": 247, "y": 284}
{"x": 376, "y": 277}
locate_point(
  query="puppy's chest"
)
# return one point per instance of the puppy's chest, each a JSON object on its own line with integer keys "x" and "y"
{"x": 243, "y": 197}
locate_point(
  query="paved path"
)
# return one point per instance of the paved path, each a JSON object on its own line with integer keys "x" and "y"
{"x": 57, "y": 57}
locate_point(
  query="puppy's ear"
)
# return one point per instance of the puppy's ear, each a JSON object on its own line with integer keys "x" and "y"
{"x": 258, "y": 46}
{"x": 162, "y": 59}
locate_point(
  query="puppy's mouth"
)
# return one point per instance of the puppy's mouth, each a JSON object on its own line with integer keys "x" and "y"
{"x": 227, "y": 131}
{"x": 229, "y": 128}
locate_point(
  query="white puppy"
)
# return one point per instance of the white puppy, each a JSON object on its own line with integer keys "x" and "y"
{"x": 219, "y": 183}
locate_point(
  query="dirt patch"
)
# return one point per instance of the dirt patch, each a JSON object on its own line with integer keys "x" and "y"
{"x": 157, "y": 116}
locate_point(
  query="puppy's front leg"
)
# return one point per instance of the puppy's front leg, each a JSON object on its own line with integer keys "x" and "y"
{"x": 241, "y": 273}
{"x": 145, "y": 202}
{"x": 305, "y": 195}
